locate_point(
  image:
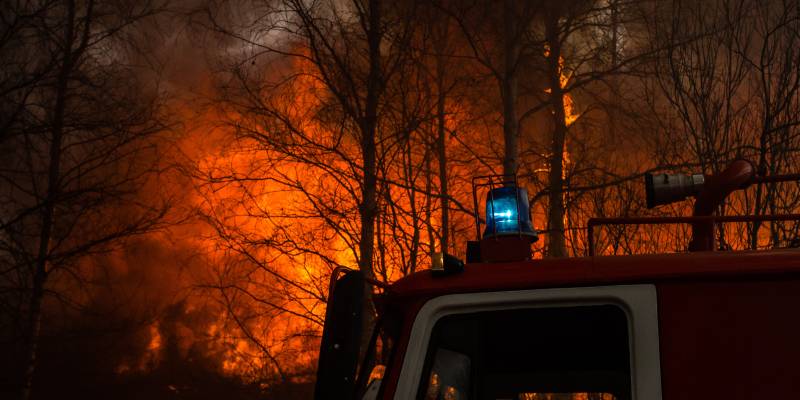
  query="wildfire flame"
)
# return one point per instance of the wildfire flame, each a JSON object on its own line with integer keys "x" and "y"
{"x": 234, "y": 353}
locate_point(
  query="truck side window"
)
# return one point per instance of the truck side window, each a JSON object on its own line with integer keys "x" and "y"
{"x": 579, "y": 352}
{"x": 449, "y": 377}
{"x": 377, "y": 357}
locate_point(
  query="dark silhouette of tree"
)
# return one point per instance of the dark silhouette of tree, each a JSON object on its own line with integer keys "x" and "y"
{"x": 77, "y": 147}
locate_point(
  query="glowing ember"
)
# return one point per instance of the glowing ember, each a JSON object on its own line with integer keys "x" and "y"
{"x": 155, "y": 338}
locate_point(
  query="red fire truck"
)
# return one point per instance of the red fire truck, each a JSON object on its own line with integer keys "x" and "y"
{"x": 699, "y": 325}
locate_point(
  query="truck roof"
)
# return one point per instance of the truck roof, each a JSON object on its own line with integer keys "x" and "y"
{"x": 598, "y": 271}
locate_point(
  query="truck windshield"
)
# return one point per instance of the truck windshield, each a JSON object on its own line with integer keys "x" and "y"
{"x": 560, "y": 353}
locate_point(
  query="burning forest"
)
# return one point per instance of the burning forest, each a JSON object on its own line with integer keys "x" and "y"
{"x": 179, "y": 179}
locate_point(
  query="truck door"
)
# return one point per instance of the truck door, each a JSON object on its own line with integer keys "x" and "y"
{"x": 341, "y": 338}
{"x": 572, "y": 343}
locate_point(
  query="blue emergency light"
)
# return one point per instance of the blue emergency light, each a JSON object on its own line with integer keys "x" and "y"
{"x": 508, "y": 213}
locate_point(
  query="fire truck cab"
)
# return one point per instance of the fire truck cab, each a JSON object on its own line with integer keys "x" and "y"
{"x": 699, "y": 325}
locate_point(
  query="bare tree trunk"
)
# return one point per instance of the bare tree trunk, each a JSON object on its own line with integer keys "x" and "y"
{"x": 412, "y": 198}
{"x": 33, "y": 326}
{"x": 509, "y": 90}
{"x": 555, "y": 216}
{"x": 760, "y": 203}
{"x": 614, "y": 100}
{"x": 369, "y": 126}
{"x": 369, "y": 202}
{"x": 429, "y": 202}
{"x": 442, "y": 154}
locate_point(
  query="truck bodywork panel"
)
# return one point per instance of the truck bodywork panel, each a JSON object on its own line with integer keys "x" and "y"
{"x": 727, "y": 321}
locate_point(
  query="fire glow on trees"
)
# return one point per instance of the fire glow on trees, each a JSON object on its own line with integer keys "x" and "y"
{"x": 570, "y": 116}
{"x": 320, "y": 117}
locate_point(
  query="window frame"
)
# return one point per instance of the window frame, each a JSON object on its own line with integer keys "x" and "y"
{"x": 639, "y": 302}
